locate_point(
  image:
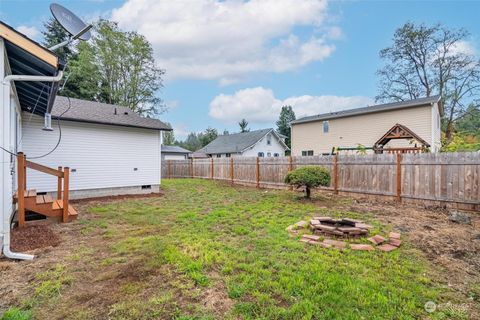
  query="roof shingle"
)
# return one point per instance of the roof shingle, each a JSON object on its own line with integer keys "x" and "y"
{"x": 234, "y": 143}
{"x": 369, "y": 109}
{"x": 103, "y": 113}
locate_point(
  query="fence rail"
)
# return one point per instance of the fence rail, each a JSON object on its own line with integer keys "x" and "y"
{"x": 449, "y": 178}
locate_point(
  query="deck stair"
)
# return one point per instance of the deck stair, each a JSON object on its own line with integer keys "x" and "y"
{"x": 44, "y": 204}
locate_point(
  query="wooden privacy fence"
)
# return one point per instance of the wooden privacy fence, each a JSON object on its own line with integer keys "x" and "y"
{"x": 450, "y": 178}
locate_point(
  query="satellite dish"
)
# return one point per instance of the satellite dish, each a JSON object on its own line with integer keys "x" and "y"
{"x": 71, "y": 23}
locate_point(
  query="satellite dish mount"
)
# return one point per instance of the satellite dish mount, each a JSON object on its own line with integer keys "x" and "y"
{"x": 76, "y": 28}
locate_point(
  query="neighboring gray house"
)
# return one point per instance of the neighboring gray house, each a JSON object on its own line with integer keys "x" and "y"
{"x": 258, "y": 143}
{"x": 174, "y": 153}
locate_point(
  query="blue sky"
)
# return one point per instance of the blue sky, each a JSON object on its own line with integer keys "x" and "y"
{"x": 230, "y": 59}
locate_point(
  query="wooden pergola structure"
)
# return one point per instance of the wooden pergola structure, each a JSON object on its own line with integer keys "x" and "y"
{"x": 399, "y": 131}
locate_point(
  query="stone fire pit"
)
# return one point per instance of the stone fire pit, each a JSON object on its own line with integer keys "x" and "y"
{"x": 346, "y": 228}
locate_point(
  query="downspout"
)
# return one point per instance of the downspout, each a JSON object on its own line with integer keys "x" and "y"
{"x": 7, "y": 84}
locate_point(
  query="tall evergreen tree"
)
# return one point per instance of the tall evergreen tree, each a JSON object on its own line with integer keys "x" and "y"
{"x": 283, "y": 123}
{"x": 53, "y": 34}
{"x": 168, "y": 137}
{"x": 243, "y": 126}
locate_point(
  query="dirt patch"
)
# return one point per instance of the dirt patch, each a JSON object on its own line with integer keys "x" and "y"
{"x": 215, "y": 298}
{"x": 33, "y": 237}
{"x": 119, "y": 197}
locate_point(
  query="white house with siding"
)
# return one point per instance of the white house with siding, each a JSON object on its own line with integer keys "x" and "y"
{"x": 258, "y": 143}
{"x": 109, "y": 149}
{"x": 420, "y": 118}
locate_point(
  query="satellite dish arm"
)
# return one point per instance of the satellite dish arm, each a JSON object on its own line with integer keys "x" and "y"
{"x": 71, "y": 38}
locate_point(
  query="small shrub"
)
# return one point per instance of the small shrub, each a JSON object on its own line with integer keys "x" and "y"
{"x": 308, "y": 177}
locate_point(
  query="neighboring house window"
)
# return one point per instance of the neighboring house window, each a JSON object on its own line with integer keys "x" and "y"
{"x": 260, "y": 154}
{"x": 325, "y": 126}
{"x": 307, "y": 153}
{"x": 227, "y": 155}
{"x": 219, "y": 155}
{"x": 269, "y": 154}
{"x": 269, "y": 139}
{"x": 275, "y": 154}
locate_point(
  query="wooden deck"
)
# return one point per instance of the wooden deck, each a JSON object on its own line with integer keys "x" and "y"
{"x": 43, "y": 204}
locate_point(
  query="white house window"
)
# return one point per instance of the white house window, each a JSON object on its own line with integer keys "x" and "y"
{"x": 261, "y": 154}
{"x": 307, "y": 153}
{"x": 276, "y": 154}
{"x": 325, "y": 126}
{"x": 269, "y": 154}
{"x": 219, "y": 155}
{"x": 227, "y": 155}
{"x": 269, "y": 139}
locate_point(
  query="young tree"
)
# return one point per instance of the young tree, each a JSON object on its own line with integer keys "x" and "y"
{"x": 283, "y": 123}
{"x": 308, "y": 177}
{"x": 243, "y": 125}
{"x": 429, "y": 60}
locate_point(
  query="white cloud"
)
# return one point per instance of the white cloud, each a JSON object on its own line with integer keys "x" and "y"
{"x": 464, "y": 47}
{"x": 31, "y": 32}
{"x": 229, "y": 40}
{"x": 259, "y": 105}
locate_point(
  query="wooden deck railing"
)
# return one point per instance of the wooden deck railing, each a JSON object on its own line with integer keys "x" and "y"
{"x": 62, "y": 175}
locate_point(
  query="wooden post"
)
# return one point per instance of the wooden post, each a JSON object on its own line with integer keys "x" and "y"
{"x": 191, "y": 168}
{"x": 231, "y": 170}
{"x": 59, "y": 185}
{"x": 290, "y": 167}
{"x": 399, "y": 177}
{"x": 21, "y": 170}
{"x": 335, "y": 174}
{"x": 66, "y": 178}
{"x": 258, "y": 172}
{"x": 211, "y": 168}
{"x": 169, "y": 167}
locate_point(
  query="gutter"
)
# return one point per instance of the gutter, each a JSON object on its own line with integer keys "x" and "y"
{"x": 6, "y": 216}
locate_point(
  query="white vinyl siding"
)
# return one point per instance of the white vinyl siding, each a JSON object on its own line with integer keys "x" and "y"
{"x": 101, "y": 156}
{"x": 262, "y": 146}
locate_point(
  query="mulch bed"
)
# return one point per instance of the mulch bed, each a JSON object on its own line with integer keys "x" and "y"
{"x": 33, "y": 237}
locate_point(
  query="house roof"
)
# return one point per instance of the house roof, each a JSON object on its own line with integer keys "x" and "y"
{"x": 370, "y": 109}
{"x": 27, "y": 57}
{"x": 174, "y": 149}
{"x": 236, "y": 142}
{"x": 103, "y": 113}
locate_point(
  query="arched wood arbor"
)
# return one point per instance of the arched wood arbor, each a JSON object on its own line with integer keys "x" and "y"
{"x": 400, "y": 131}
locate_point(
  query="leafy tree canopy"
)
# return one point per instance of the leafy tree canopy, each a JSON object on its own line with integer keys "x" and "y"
{"x": 243, "y": 126}
{"x": 428, "y": 60}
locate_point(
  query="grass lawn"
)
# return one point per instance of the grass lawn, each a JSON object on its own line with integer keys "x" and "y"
{"x": 206, "y": 250}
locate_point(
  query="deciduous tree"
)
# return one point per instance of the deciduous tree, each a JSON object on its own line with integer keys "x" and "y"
{"x": 427, "y": 60}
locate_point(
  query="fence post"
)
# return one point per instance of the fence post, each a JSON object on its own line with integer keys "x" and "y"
{"x": 21, "y": 173}
{"x": 335, "y": 174}
{"x": 211, "y": 168}
{"x": 258, "y": 172}
{"x": 191, "y": 168}
{"x": 290, "y": 167}
{"x": 231, "y": 169}
{"x": 399, "y": 177}
{"x": 169, "y": 167}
